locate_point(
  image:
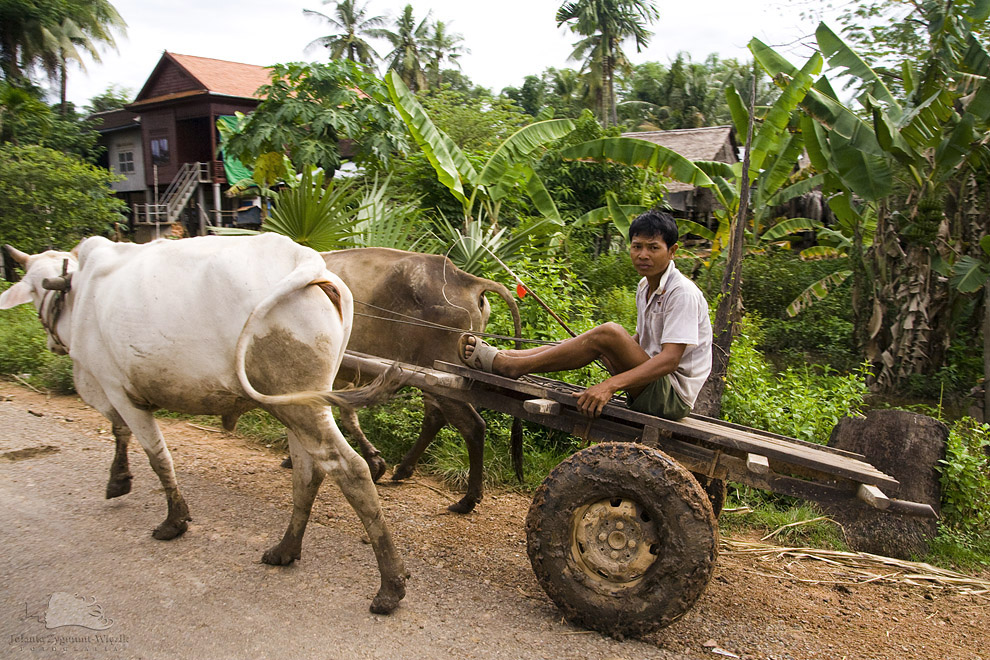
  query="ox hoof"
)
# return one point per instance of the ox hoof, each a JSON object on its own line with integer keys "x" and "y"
{"x": 377, "y": 467}
{"x": 287, "y": 463}
{"x": 466, "y": 505}
{"x": 402, "y": 472}
{"x": 388, "y": 597}
{"x": 169, "y": 529}
{"x": 118, "y": 487}
{"x": 278, "y": 556}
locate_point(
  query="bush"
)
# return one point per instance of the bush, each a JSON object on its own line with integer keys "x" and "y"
{"x": 804, "y": 402}
{"x": 965, "y": 479}
{"x": 24, "y": 350}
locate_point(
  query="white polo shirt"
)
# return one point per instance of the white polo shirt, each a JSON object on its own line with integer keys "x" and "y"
{"x": 677, "y": 313}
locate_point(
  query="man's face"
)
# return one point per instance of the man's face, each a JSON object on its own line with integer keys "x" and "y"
{"x": 650, "y": 255}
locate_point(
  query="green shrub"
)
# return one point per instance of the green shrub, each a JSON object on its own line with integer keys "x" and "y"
{"x": 801, "y": 402}
{"x": 24, "y": 350}
{"x": 965, "y": 480}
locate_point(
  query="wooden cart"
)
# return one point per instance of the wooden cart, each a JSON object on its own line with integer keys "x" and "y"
{"x": 621, "y": 535}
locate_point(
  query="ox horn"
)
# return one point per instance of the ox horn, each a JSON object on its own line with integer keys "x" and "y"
{"x": 18, "y": 256}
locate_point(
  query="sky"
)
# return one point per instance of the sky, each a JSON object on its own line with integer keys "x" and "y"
{"x": 507, "y": 39}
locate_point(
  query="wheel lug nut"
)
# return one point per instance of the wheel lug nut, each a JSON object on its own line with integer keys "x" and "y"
{"x": 619, "y": 525}
{"x": 631, "y": 544}
{"x": 602, "y": 536}
{"x": 615, "y": 555}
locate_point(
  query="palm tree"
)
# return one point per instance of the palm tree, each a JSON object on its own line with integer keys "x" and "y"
{"x": 442, "y": 45}
{"x": 49, "y": 34}
{"x": 605, "y": 24}
{"x": 352, "y": 22}
{"x": 409, "y": 48}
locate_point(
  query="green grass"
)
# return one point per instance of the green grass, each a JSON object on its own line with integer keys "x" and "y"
{"x": 792, "y": 522}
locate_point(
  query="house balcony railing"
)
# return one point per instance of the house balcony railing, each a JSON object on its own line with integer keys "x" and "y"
{"x": 176, "y": 196}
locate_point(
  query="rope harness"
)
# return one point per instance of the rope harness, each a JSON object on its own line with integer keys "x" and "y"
{"x": 412, "y": 320}
{"x": 52, "y": 305}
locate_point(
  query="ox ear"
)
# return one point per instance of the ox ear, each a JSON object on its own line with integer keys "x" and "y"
{"x": 16, "y": 295}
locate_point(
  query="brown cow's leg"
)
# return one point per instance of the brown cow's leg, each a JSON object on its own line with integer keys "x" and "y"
{"x": 306, "y": 480}
{"x": 433, "y": 421}
{"x": 470, "y": 424}
{"x": 349, "y": 421}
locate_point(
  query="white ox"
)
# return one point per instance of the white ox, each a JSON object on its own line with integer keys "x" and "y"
{"x": 212, "y": 326}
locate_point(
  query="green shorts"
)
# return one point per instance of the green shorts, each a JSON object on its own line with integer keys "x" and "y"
{"x": 659, "y": 398}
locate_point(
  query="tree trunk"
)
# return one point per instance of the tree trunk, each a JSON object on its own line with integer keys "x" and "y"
{"x": 907, "y": 447}
{"x": 62, "y": 84}
{"x": 986, "y": 351}
{"x": 709, "y": 401}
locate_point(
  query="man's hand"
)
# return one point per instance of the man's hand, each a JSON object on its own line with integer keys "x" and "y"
{"x": 592, "y": 400}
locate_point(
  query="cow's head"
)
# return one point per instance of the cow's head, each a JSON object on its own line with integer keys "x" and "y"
{"x": 48, "y": 271}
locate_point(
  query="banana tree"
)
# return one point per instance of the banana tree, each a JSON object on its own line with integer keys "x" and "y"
{"x": 906, "y": 160}
{"x": 969, "y": 275}
{"x": 481, "y": 190}
{"x": 774, "y": 153}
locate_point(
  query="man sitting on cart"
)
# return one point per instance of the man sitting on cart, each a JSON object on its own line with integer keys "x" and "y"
{"x": 661, "y": 368}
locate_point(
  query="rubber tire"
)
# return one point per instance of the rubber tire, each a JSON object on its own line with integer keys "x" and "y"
{"x": 684, "y": 523}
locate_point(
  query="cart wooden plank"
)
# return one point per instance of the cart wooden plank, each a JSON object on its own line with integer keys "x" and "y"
{"x": 741, "y": 439}
{"x": 750, "y": 456}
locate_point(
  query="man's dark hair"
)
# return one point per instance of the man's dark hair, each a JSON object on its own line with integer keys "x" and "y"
{"x": 655, "y": 223}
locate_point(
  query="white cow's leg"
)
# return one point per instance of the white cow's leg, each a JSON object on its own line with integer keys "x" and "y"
{"x": 306, "y": 479}
{"x": 146, "y": 430}
{"x": 354, "y": 478}
{"x": 334, "y": 456}
{"x": 91, "y": 392}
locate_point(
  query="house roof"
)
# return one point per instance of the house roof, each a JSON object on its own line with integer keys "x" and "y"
{"x": 202, "y": 75}
{"x": 114, "y": 120}
{"x": 707, "y": 143}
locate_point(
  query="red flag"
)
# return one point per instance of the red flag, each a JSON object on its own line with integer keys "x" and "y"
{"x": 520, "y": 290}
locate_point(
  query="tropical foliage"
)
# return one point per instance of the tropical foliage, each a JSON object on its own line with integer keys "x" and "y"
{"x": 49, "y": 199}
{"x": 353, "y": 23}
{"x": 604, "y": 26}
{"x": 309, "y": 108}
{"x": 913, "y": 163}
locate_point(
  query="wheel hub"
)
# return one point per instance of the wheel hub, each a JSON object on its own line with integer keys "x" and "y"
{"x": 615, "y": 541}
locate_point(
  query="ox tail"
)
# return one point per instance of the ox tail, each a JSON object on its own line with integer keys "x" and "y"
{"x": 516, "y": 433}
{"x": 314, "y": 273}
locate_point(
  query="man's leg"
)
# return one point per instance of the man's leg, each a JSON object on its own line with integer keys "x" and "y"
{"x": 609, "y": 341}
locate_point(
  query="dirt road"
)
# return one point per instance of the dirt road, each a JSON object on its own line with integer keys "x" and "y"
{"x": 83, "y": 578}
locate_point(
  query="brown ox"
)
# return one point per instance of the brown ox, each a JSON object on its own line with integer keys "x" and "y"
{"x": 429, "y": 288}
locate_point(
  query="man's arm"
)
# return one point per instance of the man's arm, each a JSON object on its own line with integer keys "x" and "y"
{"x": 593, "y": 399}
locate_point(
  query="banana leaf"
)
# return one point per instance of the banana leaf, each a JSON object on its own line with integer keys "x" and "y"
{"x": 778, "y": 119}
{"x": 691, "y": 227}
{"x": 788, "y": 227}
{"x": 737, "y": 108}
{"x": 802, "y": 187}
{"x": 639, "y": 153}
{"x": 817, "y": 291}
{"x": 970, "y": 274}
{"x": 450, "y": 163}
{"x": 541, "y": 198}
{"x": 840, "y": 55}
{"x": 519, "y": 145}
